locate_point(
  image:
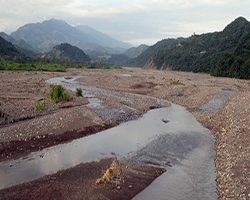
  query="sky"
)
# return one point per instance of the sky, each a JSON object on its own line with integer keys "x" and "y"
{"x": 132, "y": 21}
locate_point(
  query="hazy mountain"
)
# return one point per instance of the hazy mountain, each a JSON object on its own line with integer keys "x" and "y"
{"x": 20, "y": 45}
{"x": 122, "y": 59}
{"x": 66, "y": 53}
{"x": 103, "y": 39}
{"x": 115, "y": 59}
{"x": 198, "y": 53}
{"x": 8, "y": 50}
{"x": 44, "y": 36}
{"x": 134, "y": 52}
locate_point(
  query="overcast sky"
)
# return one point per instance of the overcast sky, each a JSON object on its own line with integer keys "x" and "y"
{"x": 133, "y": 21}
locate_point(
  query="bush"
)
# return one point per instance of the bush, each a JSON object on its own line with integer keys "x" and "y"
{"x": 58, "y": 93}
{"x": 39, "y": 107}
{"x": 78, "y": 92}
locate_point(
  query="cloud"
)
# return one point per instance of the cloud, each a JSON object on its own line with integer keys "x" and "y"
{"x": 129, "y": 20}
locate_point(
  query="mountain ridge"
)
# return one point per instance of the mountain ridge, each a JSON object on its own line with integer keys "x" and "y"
{"x": 20, "y": 45}
{"x": 45, "y": 35}
{"x": 134, "y": 52}
{"x": 8, "y": 50}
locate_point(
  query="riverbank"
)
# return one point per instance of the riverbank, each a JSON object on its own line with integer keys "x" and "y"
{"x": 231, "y": 127}
{"x": 230, "y": 123}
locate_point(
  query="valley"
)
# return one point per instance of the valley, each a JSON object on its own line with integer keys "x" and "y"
{"x": 84, "y": 115}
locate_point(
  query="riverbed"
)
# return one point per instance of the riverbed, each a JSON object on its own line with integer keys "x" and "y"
{"x": 170, "y": 137}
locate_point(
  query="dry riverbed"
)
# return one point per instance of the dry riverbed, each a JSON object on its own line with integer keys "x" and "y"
{"x": 23, "y": 131}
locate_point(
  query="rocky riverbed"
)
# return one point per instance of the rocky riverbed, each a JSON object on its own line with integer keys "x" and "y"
{"x": 21, "y": 91}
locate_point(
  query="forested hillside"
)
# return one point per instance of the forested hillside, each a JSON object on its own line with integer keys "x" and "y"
{"x": 224, "y": 53}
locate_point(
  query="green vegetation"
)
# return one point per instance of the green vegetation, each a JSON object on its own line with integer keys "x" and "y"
{"x": 33, "y": 65}
{"x": 39, "y": 107}
{"x": 236, "y": 64}
{"x": 58, "y": 93}
{"x": 78, "y": 92}
{"x": 89, "y": 66}
{"x": 11, "y": 65}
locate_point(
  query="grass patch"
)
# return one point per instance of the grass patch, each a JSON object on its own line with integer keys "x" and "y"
{"x": 36, "y": 65}
{"x": 79, "y": 92}
{"x": 89, "y": 66}
{"x": 10, "y": 65}
{"x": 39, "y": 107}
{"x": 58, "y": 94}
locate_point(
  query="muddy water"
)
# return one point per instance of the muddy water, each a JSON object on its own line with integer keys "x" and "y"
{"x": 182, "y": 145}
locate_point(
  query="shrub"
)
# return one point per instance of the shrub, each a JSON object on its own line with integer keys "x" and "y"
{"x": 39, "y": 107}
{"x": 58, "y": 93}
{"x": 78, "y": 92}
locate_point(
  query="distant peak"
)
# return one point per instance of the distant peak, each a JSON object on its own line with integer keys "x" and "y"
{"x": 237, "y": 23}
{"x": 53, "y": 20}
{"x": 143, "y": 45}
{"x": 3, "y": 33}
{"x": 240, "y": 19}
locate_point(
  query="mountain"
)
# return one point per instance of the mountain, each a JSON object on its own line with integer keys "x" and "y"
{"x": 45, "y": 35}
{"x": 66, "y": 53}
{"x": 103, "y": 39}
{"x": 115, "y": 59}
{"x": 20, "y": 45}
{"x": 198, "y": 53}
{"x": 134, "y": 52}
{"x": 143, "y": 58}
{"x": 8, "y": 50}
